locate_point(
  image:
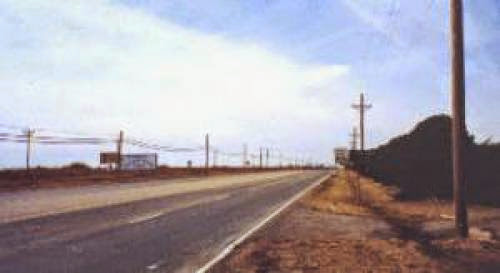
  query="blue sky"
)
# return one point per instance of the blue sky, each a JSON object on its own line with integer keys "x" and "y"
{"x": 268, "y": 73}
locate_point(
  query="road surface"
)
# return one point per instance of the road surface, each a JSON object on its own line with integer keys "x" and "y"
{"x": 162, "y": 226}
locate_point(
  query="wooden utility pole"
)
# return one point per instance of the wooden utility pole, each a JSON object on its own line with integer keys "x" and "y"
{"x": 29, "y": 138}
{"x": 119, "y": 150}
{"x": 458, "y": 129}
{"x": 267, "y": 157}
{"x": 362, "y": 107}
{"x": 207, "y": 153}
{"x": 354, "y": 139}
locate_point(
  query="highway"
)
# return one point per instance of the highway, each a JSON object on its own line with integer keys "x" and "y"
{"x": 158, "y": 226}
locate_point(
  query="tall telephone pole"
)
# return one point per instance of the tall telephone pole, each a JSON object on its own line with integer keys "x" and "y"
{"x": 354, "y": 140}
{"x": 267, "y": 157}
{"x": 207, "y": 153}
{"x": 458, "y": 129}
{"x": 119, "y": 150}
{"x": 29, "y": 138}
{"x": 362, "y": 107}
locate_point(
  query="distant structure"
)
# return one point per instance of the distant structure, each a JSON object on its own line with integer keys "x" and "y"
{"x": 144, "y": 161}
{"x": 342, "y": 156}
{"x": 354, "y": 136}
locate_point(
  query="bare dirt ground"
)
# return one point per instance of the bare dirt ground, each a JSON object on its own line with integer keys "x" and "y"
{"x": 77, "y": 175}
{"x": 328, "y": 231}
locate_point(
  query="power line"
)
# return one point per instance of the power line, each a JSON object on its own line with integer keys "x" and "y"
{"x": 162, "y": 148}
{"x": 16, "y": 138}
{"x": 55, "y": 140}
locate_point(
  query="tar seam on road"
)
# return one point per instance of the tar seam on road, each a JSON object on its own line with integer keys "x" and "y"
{"x": 261, "y": 224}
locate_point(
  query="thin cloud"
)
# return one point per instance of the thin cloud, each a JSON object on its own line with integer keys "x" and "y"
{"x": 102, "y": 67}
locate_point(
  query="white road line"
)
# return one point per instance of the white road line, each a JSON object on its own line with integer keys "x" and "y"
{"x": 254, "y": 229}
{"x": 145, "y": 218}
{"x": 154, "y": 266}
{"x": 151, "y": 216}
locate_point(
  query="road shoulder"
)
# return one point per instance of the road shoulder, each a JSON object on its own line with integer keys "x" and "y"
{"x": 26, "y": 204}
{"x": 328, "y": 231}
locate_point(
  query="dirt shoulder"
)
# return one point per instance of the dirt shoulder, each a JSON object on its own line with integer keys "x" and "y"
{"x": 21, "y": 205}
{"x": 334, "y": 229}
{"x": 77, "y": 176}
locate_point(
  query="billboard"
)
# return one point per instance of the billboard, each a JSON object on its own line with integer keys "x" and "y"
{"x": 108, "y": 157}
{"x": 139, "y": 161}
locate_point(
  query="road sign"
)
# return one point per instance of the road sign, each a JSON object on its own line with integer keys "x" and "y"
{"x": 341, "y": 156}
{"x": 139, "y": 161}
{"x": 108, "y": 157}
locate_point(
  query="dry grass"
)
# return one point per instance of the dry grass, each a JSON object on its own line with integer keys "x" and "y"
{"x": 375, "y": 233}
{"x": 340, "y": 195}
{"x": 329, "y": 256}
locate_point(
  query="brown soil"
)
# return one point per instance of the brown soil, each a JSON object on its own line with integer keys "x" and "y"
{"x": 12, "y": 180}
{"x": 335, "y": 230}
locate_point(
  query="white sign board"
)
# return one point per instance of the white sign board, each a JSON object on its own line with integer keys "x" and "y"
{"x": 341, "y": 156}
{"x": 139, "y": 161}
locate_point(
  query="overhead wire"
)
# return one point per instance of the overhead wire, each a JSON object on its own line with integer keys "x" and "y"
{"x": 86, "y": 139}
{"x": 162, "y": 148}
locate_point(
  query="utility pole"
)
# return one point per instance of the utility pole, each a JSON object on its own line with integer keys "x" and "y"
{"x": 29, "y": 138}
{"x": 260, "y": 158}
{"x": 362, "y": 107}
{"x": 354, "y": 140}
{"x": 119, "y": 150}
{"x": 267, "y": 157}
{"x": 207, "y": 153}
{"x": 458, "y": 129}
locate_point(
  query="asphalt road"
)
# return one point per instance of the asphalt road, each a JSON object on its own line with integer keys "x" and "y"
{"x": 173, "y": 233}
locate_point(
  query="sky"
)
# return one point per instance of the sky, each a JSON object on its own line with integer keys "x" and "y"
{"x": 279, "y": 74}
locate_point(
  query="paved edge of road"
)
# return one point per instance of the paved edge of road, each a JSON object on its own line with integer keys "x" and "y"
{"x": 176, "y": 187}
{"x": 228, "y": 249}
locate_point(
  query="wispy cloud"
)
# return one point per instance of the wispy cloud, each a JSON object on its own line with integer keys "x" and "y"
{"x": 418, "y": 35}
{"x": 102, "y": 66}
{"x": 278, "y": 72}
